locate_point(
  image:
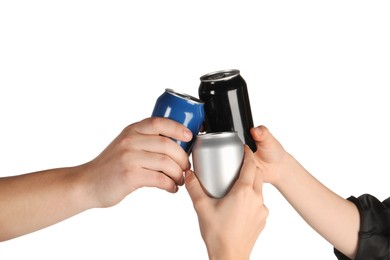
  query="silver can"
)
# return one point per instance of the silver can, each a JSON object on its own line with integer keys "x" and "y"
{"x": 217, "y": 159}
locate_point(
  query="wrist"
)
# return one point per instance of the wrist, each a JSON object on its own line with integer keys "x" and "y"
{"x": 226, "y": 255}
{"x": 83, "y": 187}
{"x": 284, "y": 171}
{"x": 221, "y": 251}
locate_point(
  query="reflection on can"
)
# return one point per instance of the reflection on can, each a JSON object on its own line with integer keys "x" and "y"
{"x": 227, "y": 106}
{"x": 182, "y": 108}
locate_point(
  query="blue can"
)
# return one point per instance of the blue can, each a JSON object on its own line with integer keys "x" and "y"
{"x": 182, "y": 108}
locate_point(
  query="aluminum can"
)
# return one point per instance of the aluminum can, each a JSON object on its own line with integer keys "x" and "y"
{"x": 182, "y": 108}
{"x": 217, "y": 160}
{"x": 227, "y": 106}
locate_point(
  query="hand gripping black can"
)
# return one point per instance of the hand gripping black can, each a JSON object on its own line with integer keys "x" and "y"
{"x": 226, "y": 104}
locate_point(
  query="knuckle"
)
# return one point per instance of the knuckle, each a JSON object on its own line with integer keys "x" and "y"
{"x": 163, "y": 181}
{"x": 176, "y": 174}
{"x": 125, "y": 159}
{"x": 155, "y": 122}
{"x": 165, "y": 142}
{"x": 128, "y": 174}
{"x": 163, "y": 158}
{"x": 130, "y": 128}
{"x": 127, "y": 140}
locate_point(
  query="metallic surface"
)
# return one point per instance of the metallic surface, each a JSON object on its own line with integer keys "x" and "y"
{"x": 227, "y": 106}
{"x": 182, "y": 108}
{"x": 217, "y": 160}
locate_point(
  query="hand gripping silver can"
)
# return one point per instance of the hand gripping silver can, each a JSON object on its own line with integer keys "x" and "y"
{"x": 217, "y": 159}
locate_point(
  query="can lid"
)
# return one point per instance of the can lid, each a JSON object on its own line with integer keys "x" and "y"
{"x": 220, "y": 75}
{"x": 184, "y": 96}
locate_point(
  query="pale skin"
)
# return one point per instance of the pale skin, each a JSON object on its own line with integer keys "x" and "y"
{"x": 142, "y": 155}
{"x": 333, "y": 217}
{"x": 230, "y": 226}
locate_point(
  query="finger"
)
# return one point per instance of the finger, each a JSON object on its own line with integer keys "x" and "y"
{"x": 149, "y": 178}
{"x": 194, "y": 188}
{"x": 258, "y": 183}
{"x": 262, "y": 137}
{"x": 248, "y": 168}
{"x": 160, "y": 163}
{"x": 164, "y": 126}
{"x": 162, "y": 145}
{"x": 258, "y": 133}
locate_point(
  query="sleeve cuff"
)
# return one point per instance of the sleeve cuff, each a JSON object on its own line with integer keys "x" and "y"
{"x": 374, "y": 230}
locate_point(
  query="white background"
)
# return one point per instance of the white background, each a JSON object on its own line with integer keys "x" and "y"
{"x": 73, "y": 74}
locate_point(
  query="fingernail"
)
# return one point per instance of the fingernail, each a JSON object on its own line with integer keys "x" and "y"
{"x": 187, "y": 134}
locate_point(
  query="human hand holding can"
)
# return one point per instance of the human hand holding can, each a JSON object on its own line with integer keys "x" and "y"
{"x": 182, "y": 108}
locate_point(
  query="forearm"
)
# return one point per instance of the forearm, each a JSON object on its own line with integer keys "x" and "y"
{"x": 226, "y": 256}
{"x": 218, "y": 252}
{"x": 334, "y": 218}
{"x": 33, "y": 201}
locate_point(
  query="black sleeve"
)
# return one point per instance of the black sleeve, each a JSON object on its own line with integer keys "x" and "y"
{"x": 374, "y": 234}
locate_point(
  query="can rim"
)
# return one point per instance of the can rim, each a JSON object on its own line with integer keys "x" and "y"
{"x": 217, "y": 134}
{"x": 184, "y": 96}
{"x": 208, "y": 77}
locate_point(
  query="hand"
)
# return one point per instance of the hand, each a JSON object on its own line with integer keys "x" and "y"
{"x": 230, "y": 226}
{"x": 319, "y": 206}
{"x": 270, "y": 154}
{"x": 141, "y": 156}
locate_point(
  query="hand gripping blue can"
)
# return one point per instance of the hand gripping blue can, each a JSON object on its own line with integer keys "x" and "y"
{"x": 182, "y": 108}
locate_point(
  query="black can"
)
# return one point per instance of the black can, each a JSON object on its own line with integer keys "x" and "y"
{"x": 226, "y": 104}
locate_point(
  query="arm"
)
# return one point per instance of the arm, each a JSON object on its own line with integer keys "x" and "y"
{"x": 141, "y": 156}
{"x": 230, "y": 226}
{"x": 334, "y": 218}
{"x": 33, "y": 201}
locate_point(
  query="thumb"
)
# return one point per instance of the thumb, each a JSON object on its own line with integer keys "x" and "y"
{"x": 263, "y": 137}
{"x": 268, "y": 147}
{"x": 193, "y": 187}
